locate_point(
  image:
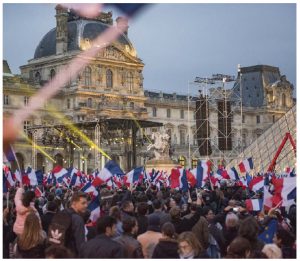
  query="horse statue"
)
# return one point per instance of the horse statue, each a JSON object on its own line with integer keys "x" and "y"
{"x": 160, "y": 146}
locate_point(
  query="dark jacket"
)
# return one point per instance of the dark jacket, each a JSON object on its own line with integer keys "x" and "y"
{"x": 132, "y": 247}
{"x": 166, "y": 248}
{"x": 288, "y": 252}
{"x": 101, "y": 246}
{"x": 163, "y": 217}
{"x": 77, "y": 237}
{"x": 46, "y": 220}
{"x": 142, "y": 224}
{"x": 186, "y": 224}
{"x": 229, "y": 234}
{"x": 201, "y": 255}
{"x": 34, "y": 252}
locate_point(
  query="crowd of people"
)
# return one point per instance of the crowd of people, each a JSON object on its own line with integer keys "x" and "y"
{"x": 144, "y": 222}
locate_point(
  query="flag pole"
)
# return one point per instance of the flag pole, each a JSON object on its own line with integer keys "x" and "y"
{"x": 7, "y": 199}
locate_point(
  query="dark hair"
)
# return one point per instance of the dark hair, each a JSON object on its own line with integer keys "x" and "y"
{"x": 115, "y": 212}
{"x": 77, "y": 195}
{"x": 177, "y": 198}
{"x": 104, "y": 222}
{"x": 249, "y": 229}
{"x": 128, "y": 224}
{"x": 126, "y": 204}
{"x": 169, "y": 230}
{"x": 50, "y": 197}
{"x": 28, "y": 197}
{"x": 287, "y": 238}
{"x": 57, "y": 251}
{"x": 193, "y": 207}
{"x": 238, "y": 248}
{"x": 52, "y": 206}
{"x": 205, "y": 210}
{"x": 156, "y": 204}
{"x": 142, "y": 208}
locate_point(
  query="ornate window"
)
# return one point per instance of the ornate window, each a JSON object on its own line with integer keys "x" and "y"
{"x": 131, "y": 105}
{"x": 5, "y": 100}
{"x": 283, "y": 97}
{"x": 181, "y": 114}
{"x": 52, "y": 74}
{"x": 87, "y": 75}
{"x": 109, "y": 79}
{"x": 154, "y": 111}
{"x": 182, "y": 137}
{"x": 26, "y": 100}
{"x": 168, "y": 113}
{"x": 37, "y": 77}
{"x": 130, "y": 81}
{"x": 68, "y": 104}
{"x": 89, "y": 102}
{"x": 274, "y": 119}
{"x": 257, "y": 118}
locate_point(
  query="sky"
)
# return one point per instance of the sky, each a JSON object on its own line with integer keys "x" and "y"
{"x": 178, "y": 42}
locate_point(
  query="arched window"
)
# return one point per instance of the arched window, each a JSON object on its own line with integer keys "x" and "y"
{"x": 52, "y": 74}
{"x": 109, "y": 79}
{"x": 40, "y": 162}
{"x": 37, "y": 77}
{"x": 182, "y": 137}
{"x": 59, "y": 160}
{"x": 130, "y": 81}
{"x": 89, "y": 102}
{"x": 283, "y": 100}
{"x": 68, "y": 103}
{"x": 87, "y": 75}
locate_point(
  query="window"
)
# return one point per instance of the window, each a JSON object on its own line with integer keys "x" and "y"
{"x": 26, "y": 125}
{"x": 182, "y": 137}
{"x": 168, "y": 113}
{"x": 257, "y": 118}
{"x": 244, "y": 143}
{"x": 154, "y": 111}
{"x": 283, "y": 100}
{"x": 243, "y": 119}
{"x": 89, "y": 102}
{"x": 5, "y": 100}
{"x": 68, "y": 104}
{"x": 181, "y": 114}
{"x": 26, "y": 100}
{"x": 274, "y": 119}
{"x": 37, "y": 77}
{"x": 87, "y": 75}
{"x": 131, "y": 105}
{"x": 130, "y": 81}
{"x": 52, "y": 74}
{"x": 109, "y": 79}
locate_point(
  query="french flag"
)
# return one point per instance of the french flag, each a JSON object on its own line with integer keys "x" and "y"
{"x": 38, "y": 193}
{"x": 253, "y": 204}
{"x": 18, "y": 176}
{"x": 257, "y": 183}
{"x": 183, "y": 181}
{"x": 246, "y": 165}
{"x": 74, "y": 175}
{"x": 5, "y": 187}
{"x": 33, "y": 177}
{"x": 285, "y": 189}
{"x": 59, "y": 173}
{"x": 233, "y": 174}
{"x": 134, "y": 176}
{"x": 268, "y": 198}
{"x": 110, "y": 169}
{"x": 192, "y": 177}
{"x": 9, "y": 179}
{"x": 175, "y": 178}
{"x": 94, "y": 207}
{"x": 90, "y": 189}
{"x": 203, "y": 170}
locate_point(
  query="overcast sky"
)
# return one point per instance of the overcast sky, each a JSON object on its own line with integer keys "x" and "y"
{"x": 178, "y": 42}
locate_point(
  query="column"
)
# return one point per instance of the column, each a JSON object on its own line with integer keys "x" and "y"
{"x": 97, "y": 153}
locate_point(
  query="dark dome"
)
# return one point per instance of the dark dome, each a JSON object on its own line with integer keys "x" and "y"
{"x": 77, "y": 31}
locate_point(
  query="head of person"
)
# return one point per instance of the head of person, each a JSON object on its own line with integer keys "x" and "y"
{"x": 208, "y": 213}
{"x": 79, "y": 202}
{"x": 128, "y": 206}
{"x": 272, "y": 251}
{"x": 156, "y": 204}
{"x": 153, "y": 223}
{"x": 175, "y": 213}
{"x": 232, "y": 220}
{"x": 57, "y": 251}
{"x": 106, "y": 225}
{"x": 115, "y": 212}
{"x": 283, "y": 237}
{"x": 130, "y": 225}
{"x": 28, "y": 197}
{"x": 32, "y": 234}
{"x": 240, "y": 247}
{"x": 168, "y": 230}
{"x": 142, "y": 208}
{"x": 52, "y": 206}
{"x": 188, "y": 245}
{"x": 249, "y": 229}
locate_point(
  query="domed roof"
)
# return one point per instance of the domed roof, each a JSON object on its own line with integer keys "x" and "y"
{"x": 78, "y": 31}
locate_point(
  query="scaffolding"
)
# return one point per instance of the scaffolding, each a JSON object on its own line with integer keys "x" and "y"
{"x": 212, "y": 96}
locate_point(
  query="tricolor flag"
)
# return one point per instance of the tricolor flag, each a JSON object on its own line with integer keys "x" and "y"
{"x": 9, "y": 179}
{"x": 134, "y": 176}
{"x": 110, "y": 169}
{"x": 94, "y": 207}
{"x": 18, "y": 176}
{"x": 285, "y": 189}
{"x": 59, "y": 173}
{"x": 175, "y": 178}
{"x": 38, "y": 193}
{"x": 183, "y": 181}
{"x": 33, "y": 177}
{"x": 246, "y": 165}
{"x": 253, "y": 204}
{"x": 203, "y": 172}
{"x": 233, "y": 174}
{"x": 90, "y": 189}
{"x": 268, "y": 198}
{"x": 257, "y": 183}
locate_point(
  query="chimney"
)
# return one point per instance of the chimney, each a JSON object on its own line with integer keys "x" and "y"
{"x": 122, "y": 24}
{"x": 61, "y": 29}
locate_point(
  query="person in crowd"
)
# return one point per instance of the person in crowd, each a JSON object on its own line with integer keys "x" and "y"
{"x": 90, "y": 229}
{"x": 115, "y": 212}
{"x": 142, "y": 219}
{"x": 231, "y": 228}
{"x": 24, "y": 205}
{"x": 8, "y": 234}
{"x": 163, "y": 217}
{"x": 132, "y": 247}
{"x": 272, "y": 251}
{"x": 127, "y": 209}
{"x": 249, "y": 229}
{"x": 151, "y": 237}
{"x": 190, "y": 247}
{"x": 103, "y": 246}
{"x": 50, "y": 197}
{"x": 285, "y": 240}
{"x": 47, "y": 217}
{"x": 77, "y": 209}
{"x": 239, "y": 248}
{"x": 32, "y": 242}
{"x": 167, "y": 246}
{"x": 55, "y": 252}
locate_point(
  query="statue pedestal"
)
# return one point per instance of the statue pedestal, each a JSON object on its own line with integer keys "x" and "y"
{"x": 162, "y": 165}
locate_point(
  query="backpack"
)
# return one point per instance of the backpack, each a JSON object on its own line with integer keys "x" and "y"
{"x": 60, "y": 228}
